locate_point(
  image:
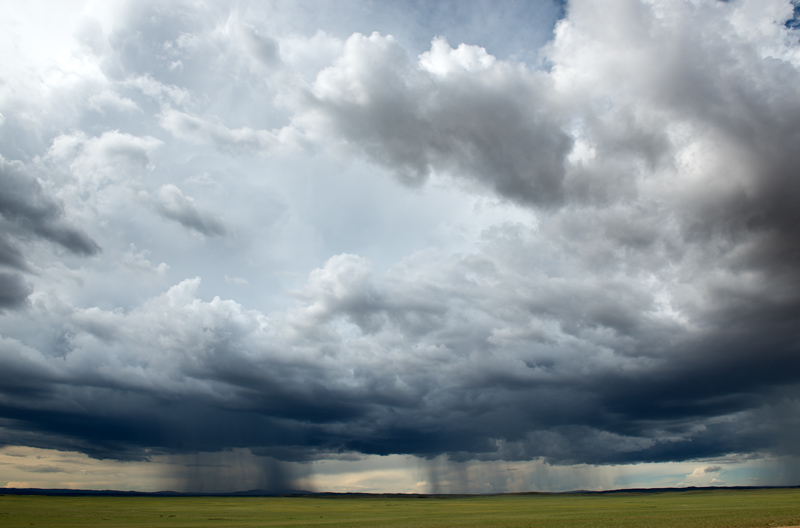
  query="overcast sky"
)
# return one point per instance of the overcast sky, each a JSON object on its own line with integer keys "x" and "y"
{"x": 446, "y": 246}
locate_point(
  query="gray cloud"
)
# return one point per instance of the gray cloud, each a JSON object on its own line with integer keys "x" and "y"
{"x": 486, "y": 386}
{"x": 458, "y": 111}
{"x": 174, "y": 205}
{"x": 13, "y": 290}
{"x": 28, "y": 211}
{"x": 28, "y": 214}
{"x": 42, "y": 469}
{"x": 264, "y": 48}
{"x": 197, "y": 130}
{"x": 11, "y": 255}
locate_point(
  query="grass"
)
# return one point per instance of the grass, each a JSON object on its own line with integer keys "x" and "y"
{"x": 701, "y": 509}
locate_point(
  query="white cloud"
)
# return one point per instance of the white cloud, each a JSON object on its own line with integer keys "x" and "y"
{"x": 164, "y": 94}
{"x": 197, "y": 130}
{"x": 111, "y": 157}
{"x": 110, "y": 100}
{"x": 138, "y": 262}
{"x": 703, "y": 471}
{"x": 238, "y": 281}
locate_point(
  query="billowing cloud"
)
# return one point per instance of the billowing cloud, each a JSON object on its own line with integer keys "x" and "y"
{"x": 457, "y": 110}
{"x": 395, "y": 367}
{"x": 599, "y": 265}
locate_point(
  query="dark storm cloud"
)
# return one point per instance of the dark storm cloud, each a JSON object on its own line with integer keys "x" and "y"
{"x": 11, "y": 255}
{"x": 222, "y": 379}
{"x": 28, "y": 212}
{"x": 647, "y": 313}
{"x": 13, "y": 290}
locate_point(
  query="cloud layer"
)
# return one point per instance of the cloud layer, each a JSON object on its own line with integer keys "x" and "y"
{"x": 608, "y": 272}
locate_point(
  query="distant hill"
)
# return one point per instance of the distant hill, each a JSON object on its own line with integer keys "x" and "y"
{"x": 293, "y": 492}
{"x": 118, "y": 493}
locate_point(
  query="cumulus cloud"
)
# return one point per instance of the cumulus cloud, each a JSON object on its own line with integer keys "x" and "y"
{"x": 393, "y": 366}
{"x": 459, "y": 111}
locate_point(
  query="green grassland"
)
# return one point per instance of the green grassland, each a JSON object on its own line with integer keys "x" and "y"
{"x": 703, "y": 508}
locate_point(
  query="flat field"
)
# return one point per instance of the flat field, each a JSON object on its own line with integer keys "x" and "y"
{"x": 704, "y": 508}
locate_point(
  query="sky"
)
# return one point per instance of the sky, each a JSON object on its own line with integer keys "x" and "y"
{"x": 399, "y": 246}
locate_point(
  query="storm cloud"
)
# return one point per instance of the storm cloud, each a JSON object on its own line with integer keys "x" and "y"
{"x": 587, "y": 258}
{"x": 28, "y": 212}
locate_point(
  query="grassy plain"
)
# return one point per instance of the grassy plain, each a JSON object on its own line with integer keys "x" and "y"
{"x": 690, "y": 509}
